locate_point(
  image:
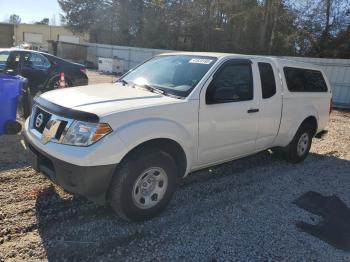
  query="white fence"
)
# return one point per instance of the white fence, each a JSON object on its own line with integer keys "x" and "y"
{"x": 337, "y": 70}
{"x": 132, "y": 56}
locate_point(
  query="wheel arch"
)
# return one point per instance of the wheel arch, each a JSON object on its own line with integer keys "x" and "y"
{"x": 158, "y": 131}
{"x": 308, "y": 119}
{"x": 170, "y": 146}
{"x": 312, "y": 122}
{"x": 293, "y": 117}
{"x": 57, "y": 76}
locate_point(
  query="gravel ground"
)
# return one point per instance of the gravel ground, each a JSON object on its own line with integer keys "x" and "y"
{"x": 238, "y": 211}
{"x": 96, "y": 77}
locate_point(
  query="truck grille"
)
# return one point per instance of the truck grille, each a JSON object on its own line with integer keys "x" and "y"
{"x": 40, "y": 119}
{"x": 47, "y": 126}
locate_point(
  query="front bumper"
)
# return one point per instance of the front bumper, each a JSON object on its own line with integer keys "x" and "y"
{"x": 89, "y": 181}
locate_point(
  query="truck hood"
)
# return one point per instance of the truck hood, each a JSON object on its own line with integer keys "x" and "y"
{"x": 104, "y": 99}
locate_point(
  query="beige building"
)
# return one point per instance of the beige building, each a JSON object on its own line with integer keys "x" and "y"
{"x": 38, "y": 35}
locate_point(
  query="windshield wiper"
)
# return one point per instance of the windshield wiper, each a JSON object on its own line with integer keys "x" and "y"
{"x": 153, "y": 89}
{"x": 159, "y": 91}
{"x": 125, "y": 83}
{"x": 173, "y": 95}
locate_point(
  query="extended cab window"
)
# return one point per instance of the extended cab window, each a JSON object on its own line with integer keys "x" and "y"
{"x": 232, "y": 83}
{"x": 268, "y": 82}
{"x": 304, "y": 80}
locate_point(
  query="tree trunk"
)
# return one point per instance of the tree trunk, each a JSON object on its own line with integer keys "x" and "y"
{"x": 207, "y": 25}
{"x": 325, "y": 34}
{"x": 275, "y": 8}
{"x": 265, "y": 24}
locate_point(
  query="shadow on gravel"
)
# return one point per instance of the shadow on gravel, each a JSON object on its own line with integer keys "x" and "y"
{"x": 335, "y": 225}
{"x": 12, "y": 153}
{"x": 60, "y": 223}
{"x": 261, "y": 160}
{"x": 75, "y": 229}
{"x": 265, "y": 159}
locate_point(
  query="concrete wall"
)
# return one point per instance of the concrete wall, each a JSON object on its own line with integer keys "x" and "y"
{"x": 6, "y": 35}
{"x": 47, "y": 33}
{"x": 132, "y": 56}
{"x": 74, "y": 52}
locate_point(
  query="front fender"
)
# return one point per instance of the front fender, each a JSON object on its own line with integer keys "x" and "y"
{"x": 140, "y": 131}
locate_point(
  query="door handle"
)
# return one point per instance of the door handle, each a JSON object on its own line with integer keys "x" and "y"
{"x": 255, "y": 110}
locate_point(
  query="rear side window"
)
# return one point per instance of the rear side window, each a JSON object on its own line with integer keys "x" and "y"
{"x": 268, "y": 82}
{"x": 35, "y": 61}
{"x": 304, "y": 80}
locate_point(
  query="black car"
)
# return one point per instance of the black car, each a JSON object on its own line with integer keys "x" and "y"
{"x": 42, "y": 71}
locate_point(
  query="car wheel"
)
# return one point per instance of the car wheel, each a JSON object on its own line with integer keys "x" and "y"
{"x": 143, "y": 185}
{"x": 300, "y": 146}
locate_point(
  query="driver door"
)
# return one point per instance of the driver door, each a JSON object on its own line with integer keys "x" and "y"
{"x": 228, "y": 114}
{"x": 13, "y": 63}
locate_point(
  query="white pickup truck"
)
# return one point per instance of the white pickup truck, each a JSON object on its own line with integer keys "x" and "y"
{"x": 128, "y": 143}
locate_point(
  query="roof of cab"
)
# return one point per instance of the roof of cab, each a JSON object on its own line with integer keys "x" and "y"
{"x": 13, "y": 49}
{"x": 279, "y": 61}
{"x": 210, "y": 54}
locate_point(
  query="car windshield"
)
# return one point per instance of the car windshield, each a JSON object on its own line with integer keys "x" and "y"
{"x": 3, "y": 59}
{"x": 172, "y": 74}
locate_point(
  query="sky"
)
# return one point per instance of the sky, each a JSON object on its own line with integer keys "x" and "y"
{"x": 30, "y": 10}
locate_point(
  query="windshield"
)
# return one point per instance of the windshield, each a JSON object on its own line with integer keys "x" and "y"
{"x": 173, "y": 74}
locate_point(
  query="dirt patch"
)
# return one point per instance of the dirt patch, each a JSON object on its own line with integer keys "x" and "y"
{"x": 96, "y": 77}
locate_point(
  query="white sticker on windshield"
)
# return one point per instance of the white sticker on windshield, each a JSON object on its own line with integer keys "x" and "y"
{"x": 200, "y": 61}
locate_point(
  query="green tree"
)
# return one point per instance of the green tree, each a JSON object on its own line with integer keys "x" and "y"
{"x": 14, "y": 19}
{"x": 45, "y": 21}
{"x": 270, "y": 27}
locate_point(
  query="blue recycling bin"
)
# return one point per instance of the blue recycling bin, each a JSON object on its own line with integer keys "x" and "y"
{"x": 10, "y": 89}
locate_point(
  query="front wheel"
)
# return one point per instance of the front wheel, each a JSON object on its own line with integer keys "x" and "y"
{"x": 300, "y": 146}
{"x": 143, "y": 185}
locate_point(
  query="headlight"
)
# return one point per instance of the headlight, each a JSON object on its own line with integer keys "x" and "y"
{"x": 85, "y": 134}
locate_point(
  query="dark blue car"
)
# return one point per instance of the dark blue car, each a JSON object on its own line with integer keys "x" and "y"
{"x": 42, "y": 71}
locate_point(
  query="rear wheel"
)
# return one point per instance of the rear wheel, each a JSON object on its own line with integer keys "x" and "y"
{"x": 55, "y": 84}
{"x": 300, "y": 146}
{"x": 143, "y": 185}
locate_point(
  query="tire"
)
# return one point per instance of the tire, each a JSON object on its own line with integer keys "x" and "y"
{"x": 299, "y": 148}
{"x": 140, "y": 176}
{"x": 54, "y": 84}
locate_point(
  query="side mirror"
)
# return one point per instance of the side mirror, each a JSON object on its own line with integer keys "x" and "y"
{"x": 209, "y": 96}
